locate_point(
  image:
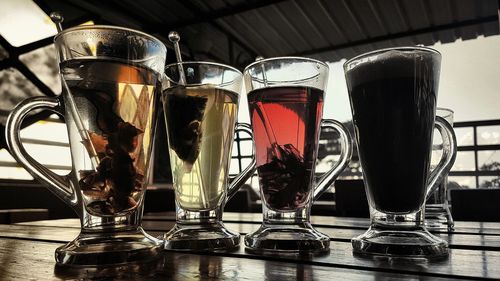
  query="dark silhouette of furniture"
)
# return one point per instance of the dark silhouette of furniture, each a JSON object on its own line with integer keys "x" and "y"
{"x": 17, "y": 195}
{"x": 475, "y": 204}
{"x": 240, "y": 202}
{"x": 325, "y": 205}
{"x": 350, "y": 199}
{"x": 159, "y": 200}
{"x": 23, "y": 215}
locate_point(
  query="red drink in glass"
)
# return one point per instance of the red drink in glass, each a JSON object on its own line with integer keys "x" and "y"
{"x": 286, "y": 127}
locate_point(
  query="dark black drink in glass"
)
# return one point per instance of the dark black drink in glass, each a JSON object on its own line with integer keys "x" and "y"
{"x": 393, "y": 96}
{"x": 393, "y": 105}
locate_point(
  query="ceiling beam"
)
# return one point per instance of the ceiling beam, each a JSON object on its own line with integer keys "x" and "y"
{"x": 399, "y": 35}
{"x": 94, "y": 13}
{"x": 6, "y": 45}
{"x": 214, "y": 15}
{"x": 199, "y": 13}
{"x": 95, "y": 10}
{"x": 5, "y": 64}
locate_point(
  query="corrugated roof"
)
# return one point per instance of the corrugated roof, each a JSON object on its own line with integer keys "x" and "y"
{"x": 235, "y": 31}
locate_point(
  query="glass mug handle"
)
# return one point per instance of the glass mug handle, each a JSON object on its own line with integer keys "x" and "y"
{"x": 345, "y": 156}
{"x": 59, "y": 185}
{"x": 447, "y": 159}
{"x": 240, "y": 179}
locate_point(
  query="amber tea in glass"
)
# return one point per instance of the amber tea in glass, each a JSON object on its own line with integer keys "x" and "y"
{"x": 111, "y": 86}
{"x": 200, "y": 115}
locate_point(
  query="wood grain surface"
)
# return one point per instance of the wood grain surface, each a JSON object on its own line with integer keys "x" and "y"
{"x": 27, "y": 253}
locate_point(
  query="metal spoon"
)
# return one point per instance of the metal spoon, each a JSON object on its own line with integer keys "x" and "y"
{"x": 174, "y": 37}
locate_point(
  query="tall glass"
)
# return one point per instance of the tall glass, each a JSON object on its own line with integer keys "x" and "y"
{"x": 285, "y": 98}
{"x": 200, "y": 103}
{"x": 393, "y": 96}
{"x": 437, "y": 211}
{"x": 111, "y": 83}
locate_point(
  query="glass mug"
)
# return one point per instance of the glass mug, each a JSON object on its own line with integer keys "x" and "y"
{"x": 437, "y": 211}
{"x": 200, "y": 110}
{"x": 393, "y": 96}
{"x": 285, "y": 98}
{"x": 111, "y": 89}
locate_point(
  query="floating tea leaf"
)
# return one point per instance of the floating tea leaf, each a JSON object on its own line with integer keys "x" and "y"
{"x": 185, "y": 114}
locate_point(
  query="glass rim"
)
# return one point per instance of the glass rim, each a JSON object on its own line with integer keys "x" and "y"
{"x": 449, "y": 111}
{"x": 109, "y": 27}
{"x": 205, "y": 62}
{"x": 221, "y": 65}
{"x": 402, "y": 48}
{"x": 285, "y": 58}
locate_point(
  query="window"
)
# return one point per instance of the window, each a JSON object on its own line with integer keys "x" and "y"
{"x": 42, "y": 147}
{"x": 14, "y": 87}
{"x": 488, "y": 135}
{"x": 33, "y": 73}
{"x": 465, "y": 136}
{"x": 478, "y": 158}
{"x": 43, "y": 63}
{"x": 241, "y": 155}
{"x": 28, "y": 24}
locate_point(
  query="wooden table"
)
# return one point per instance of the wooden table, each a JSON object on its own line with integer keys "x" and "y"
{"x": 27, "y": 253}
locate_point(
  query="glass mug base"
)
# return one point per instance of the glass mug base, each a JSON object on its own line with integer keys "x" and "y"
{"x": 201, "y": 237}
{"x": 287, "y": 239}
{"x": 438, "y": 217}
{"x": 415, "y": 243}
{"x": 113, "y": 248}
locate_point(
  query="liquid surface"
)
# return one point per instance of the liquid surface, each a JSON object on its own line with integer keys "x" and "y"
{"x": 200, "y": 126}
{"x": 110, "y": 119}
{"x": 394, "y": 121}
{"x": 285, "y": 123}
